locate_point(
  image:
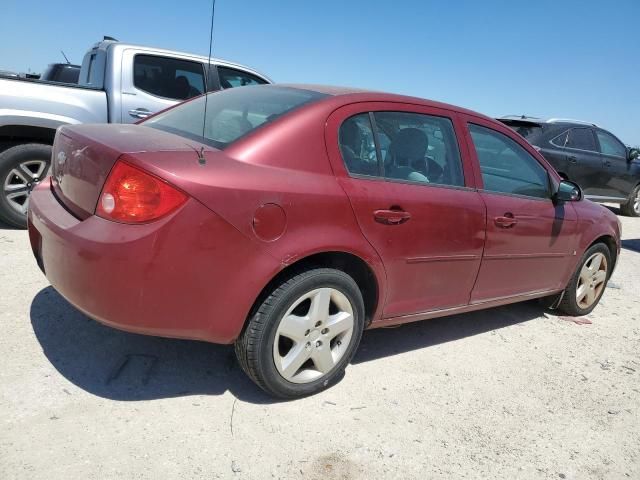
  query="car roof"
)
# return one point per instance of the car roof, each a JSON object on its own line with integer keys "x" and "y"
{"x": 357, "y": 95}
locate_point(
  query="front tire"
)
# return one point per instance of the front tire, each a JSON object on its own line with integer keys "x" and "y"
{"x": 588, "y": 282}
{"x": 632, "y": 207}
{"x": 303, "y": 334}
{"x": 21, "y": 168}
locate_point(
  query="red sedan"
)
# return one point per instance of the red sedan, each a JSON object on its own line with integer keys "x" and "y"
{"x": 295, "y": 217}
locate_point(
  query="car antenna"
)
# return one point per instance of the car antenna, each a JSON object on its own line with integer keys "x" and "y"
{"x": 65, "y": 57}
{"x": 201, "y": 158}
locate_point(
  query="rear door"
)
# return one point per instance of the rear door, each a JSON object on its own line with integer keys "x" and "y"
{"x": 401, "y": 167}
{"x": 583, "y": 161}
{"x": 530, "y": 240}
{"x": 151, "y": 83}
{"x": 616, "y": 170}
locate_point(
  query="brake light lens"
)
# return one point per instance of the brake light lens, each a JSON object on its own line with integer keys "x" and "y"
{"x": 131, "y": 195}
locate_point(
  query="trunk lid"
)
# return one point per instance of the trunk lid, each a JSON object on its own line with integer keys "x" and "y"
{"x": 83, "y": 156}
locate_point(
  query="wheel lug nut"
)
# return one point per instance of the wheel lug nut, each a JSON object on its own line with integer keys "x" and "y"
{"x": 318, "y": 343}
{"x": 318, "y": 324}
{"x": 324, "y": 331}
{"x": 306, "y": 334}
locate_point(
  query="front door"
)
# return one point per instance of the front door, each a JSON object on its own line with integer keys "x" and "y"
{"x": 530, "y": 240}
{"x": 617, "y": 176}
{"x": 402, "y": 171}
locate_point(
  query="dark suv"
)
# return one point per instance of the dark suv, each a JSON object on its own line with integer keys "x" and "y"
{"x": 605, "y": 169}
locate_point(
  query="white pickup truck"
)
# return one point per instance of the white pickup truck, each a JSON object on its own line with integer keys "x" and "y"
{"x": 119, "y": 83}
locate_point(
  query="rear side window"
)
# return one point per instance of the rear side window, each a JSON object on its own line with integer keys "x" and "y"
{"x": 230, "y": 77}
{"x": 507, "y": 167}
{"x": 582, "y": 139}
{"x": 358, "y": 147}
{"x": 168, "y": 77}
{"x": 231, "y": 114}
{"x": 609, "y": 145}
{"x": 419, "y": 148}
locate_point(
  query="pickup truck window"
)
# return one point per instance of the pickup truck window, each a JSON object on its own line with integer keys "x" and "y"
{"x": 230, "y": 77}
{"x": 168, "y": 77}
{"x": 231, "y": 114}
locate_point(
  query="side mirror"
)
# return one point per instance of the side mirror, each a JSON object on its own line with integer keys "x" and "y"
{"x": 633, "y": 154}
{"x": 568, "y": 192}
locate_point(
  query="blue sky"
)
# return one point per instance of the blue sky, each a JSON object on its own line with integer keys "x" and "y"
{"x": 574, "y": 59}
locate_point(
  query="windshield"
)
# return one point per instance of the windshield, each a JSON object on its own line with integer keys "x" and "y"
{"x": 231, "y": 114}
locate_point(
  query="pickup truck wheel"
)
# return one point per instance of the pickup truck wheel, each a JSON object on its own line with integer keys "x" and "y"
{"x": 21, "y": 168}
{"x": 632, "y": 207}
{"x": 303, "y": 334}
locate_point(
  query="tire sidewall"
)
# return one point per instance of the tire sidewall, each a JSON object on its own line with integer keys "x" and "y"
{"x": 627, "y": 208}
{"x": 573, "y": 286}
{"x": 318, "y": 279}
{"x": 9, "y": 159}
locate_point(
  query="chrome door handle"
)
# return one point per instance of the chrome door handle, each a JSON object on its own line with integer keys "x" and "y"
{"x": 507, "y": 221}
{"x": 139, "y": 113}
{"x": 391, "y": 217}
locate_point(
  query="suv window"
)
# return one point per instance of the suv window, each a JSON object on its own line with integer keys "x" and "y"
{"x": 609, "y": 145}
{"x": 357, "y": 146}
{"x": 230, "y": 77}
{"x": 581, "y": 138}
{"x": 419, "y": 148}
{"x": 506, "y": 166}
{"x": 168, "y": 77}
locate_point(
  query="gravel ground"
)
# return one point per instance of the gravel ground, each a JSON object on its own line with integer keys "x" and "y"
{"x": 511, "y": 392}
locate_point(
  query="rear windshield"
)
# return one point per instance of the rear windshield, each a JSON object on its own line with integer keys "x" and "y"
{"x": 529, "y": 131}
{"x": 232, "y": 113}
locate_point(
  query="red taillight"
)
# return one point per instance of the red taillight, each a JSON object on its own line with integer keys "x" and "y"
{"x": 131, "y": 195}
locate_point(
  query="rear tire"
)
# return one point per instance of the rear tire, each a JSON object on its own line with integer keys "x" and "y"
{"x": 632, "y": 207}
{"x": 21, "y": 168}
{"x": 588, "y": 282}
{"x": 303, "y": 334}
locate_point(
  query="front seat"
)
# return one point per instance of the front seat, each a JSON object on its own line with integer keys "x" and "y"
{"x": 406, "y": 155}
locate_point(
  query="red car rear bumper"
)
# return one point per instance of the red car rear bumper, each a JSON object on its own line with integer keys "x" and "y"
{"x": 176, "y": 277}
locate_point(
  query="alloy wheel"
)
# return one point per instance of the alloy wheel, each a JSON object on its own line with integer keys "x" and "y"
{"x": 591, "y": 282}
{"x": 636, "y": 202}
{"x": 313, "y": 335}
{"x": 20, "y": 181}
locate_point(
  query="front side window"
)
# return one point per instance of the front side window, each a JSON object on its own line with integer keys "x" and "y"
{"x": 231, "y": 114}
{"x": 168, "y": 77}
{"x": 506, "y": 166}
{"x": 609, "y": 145}
{"x": 419, "y": 148}
{"x": 230, "y": 77}
{"x": 582, "y": 139}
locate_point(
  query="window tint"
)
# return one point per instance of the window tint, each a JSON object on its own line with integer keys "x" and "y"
{"x": 230, "y": 78}
{"x": 357, "y": 146}
{"x": 419, "y": 148}
{"x": 506, "y": 166}
{"x": 581, "y": 138}
{"x": 168, "y": 77}
{"x": 231, "y": 114}
{"x": 561, "y": 140}
{"x": 609, "y": 145}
